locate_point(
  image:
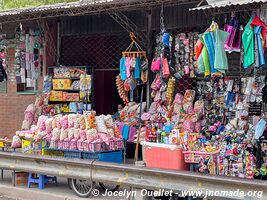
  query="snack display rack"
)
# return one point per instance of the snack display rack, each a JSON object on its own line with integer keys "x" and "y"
{"x": 65, "y": 89}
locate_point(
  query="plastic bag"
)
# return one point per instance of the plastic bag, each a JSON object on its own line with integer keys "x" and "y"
{"x": 108, "y": 121}
{"x": 100, "y": 124}
{"x": 165, "y": 68}
{"x": 63, "y": 134}
{"x": 71, "y": 133}
{"x": 16, "y": 142}
{"x": 155, "y": 66}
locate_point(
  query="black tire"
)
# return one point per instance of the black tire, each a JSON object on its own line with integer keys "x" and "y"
{"x": 82, "y": 188}
{"x": 107, "y": 187}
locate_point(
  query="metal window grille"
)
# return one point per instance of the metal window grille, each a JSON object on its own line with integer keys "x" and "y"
{"x": 103, "y": 51}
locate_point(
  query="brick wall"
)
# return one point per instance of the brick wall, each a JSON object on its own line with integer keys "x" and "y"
{"x": 12, "y": 105}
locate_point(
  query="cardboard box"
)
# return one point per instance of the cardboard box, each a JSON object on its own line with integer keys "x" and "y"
{"x": 31, "y": 147}
{"x": 21, "y": 178}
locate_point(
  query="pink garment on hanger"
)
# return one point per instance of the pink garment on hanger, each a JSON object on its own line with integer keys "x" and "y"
{"x": 120, "y": 125}
{"x": 132, "y": 133}
{"x": 128, "y": 67}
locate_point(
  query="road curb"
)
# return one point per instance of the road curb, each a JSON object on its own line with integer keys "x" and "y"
{"x": 31, "y": 194}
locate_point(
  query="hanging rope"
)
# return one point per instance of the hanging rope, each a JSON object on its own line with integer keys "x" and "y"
{"x": 162, "y": 26}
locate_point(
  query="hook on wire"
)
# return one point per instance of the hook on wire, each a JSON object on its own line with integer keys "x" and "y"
{"x": 162, "y": 26}
{"x": 133, "y": 37}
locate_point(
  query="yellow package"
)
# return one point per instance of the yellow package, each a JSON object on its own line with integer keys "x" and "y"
{"x": 61, "y": 84}
{"x": 56, "y": 95}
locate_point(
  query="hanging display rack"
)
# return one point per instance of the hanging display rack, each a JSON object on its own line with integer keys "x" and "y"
{"x": 129, "y": 51}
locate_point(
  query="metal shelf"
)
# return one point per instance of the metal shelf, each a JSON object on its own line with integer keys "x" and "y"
{"x": 67, "y": 90}
{"x": 71, "y": 78}
{"x": 88, "y": 69}
{"x": 60, "y": 102}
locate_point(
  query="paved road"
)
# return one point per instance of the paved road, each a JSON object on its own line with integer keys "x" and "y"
{"x": 2, "y": 197}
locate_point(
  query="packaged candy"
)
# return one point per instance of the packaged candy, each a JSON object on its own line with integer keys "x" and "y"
{"x": 16, "y": 142}
{"x": 100, "y": 125}
{"x": 56, "y": 134}
{"x": 76, "y": 134}
{"x": 90, "y": 120}
{"x": 64, "y": 134}
{"x": 91, "y": 133}
{"x": 109, "y": 121}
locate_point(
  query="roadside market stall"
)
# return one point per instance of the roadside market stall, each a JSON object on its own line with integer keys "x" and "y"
{"x": 201, "y": 118}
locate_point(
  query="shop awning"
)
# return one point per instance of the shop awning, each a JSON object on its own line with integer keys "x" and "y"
{"x": 82, "y": 7}
{"x": 225, "y": 3}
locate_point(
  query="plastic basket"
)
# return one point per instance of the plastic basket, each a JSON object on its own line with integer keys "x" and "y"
{"x": 66, "y": 145}
{"x": 52, "y": 144}
{"x": 115, "y": 157}
{"x": 115, "y": 145}
{"x": 71, "y": 154}
{"x": 60, "y": 144}
{"x": 73, "y": 145}
{"x": 90, "y": 155}
{"x": 196, "y": 156}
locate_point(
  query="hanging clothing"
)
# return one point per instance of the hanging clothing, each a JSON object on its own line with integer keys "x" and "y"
{"x": 213, "y": 39}
{"x": 137, "y": 69}
{"x": 198, "y": 48}
{"x": 123, "y": 69}
{"x": 210, "y": 47}
{"x": 206, "y": 61}
{"x": 248, "y": 43}
{"x": 128, "y": 67}
{"x": 259, "y": 42}
{"x": 256, "y": 52}
{"x": 258, "y": 22}
{"x": 200, "y": 63}
{"x": 220, "y": 61}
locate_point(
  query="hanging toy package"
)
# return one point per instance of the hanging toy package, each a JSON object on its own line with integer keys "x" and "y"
{"x": 133, "y": 70}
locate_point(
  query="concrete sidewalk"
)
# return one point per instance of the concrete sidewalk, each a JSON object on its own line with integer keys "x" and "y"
{"x": 51, "y": 191}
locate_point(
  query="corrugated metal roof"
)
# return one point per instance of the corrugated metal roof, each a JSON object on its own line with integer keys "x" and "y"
{"x": 59, "y": 6}
{"x": 224, "y": 3}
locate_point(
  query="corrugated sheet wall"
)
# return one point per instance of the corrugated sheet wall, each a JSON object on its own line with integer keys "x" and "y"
{"x": 175, "y": 17}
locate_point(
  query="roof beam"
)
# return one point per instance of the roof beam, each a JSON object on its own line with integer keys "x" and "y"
{"x": 85, "y": 9}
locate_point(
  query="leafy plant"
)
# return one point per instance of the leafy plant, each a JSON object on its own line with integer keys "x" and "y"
{"x": 11, "y": 4}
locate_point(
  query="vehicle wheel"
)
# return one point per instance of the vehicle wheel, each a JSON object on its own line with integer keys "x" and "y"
{"x": 109, "y": 187}
{"x": 69, "y": 183}
{"x": 82, "y": 188}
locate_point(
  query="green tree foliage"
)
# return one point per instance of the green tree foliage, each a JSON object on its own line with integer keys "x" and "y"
{"x": 11, "y": 4}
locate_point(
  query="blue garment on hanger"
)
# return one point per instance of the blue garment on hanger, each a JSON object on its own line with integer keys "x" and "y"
{"x": 137, "y": 69}
{"x": 123, "y": 69}
{"x": 257, "y": 31}
{"x": 213, "y": 39}
{"x": 210, "y": 48}
{"x": 125, "y": 132}
{"x": 166, "y": 39}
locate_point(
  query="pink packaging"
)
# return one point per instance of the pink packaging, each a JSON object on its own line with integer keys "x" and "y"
{"x": 73, "y": 144}
{"x": 189, "y": 126}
